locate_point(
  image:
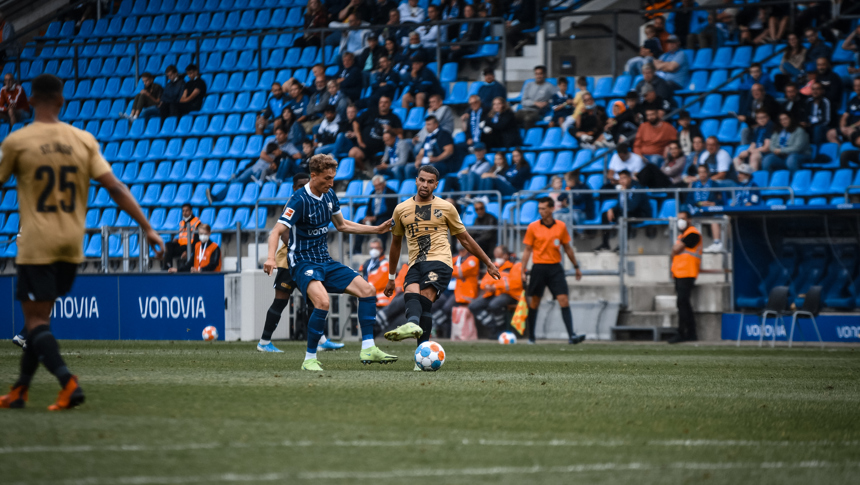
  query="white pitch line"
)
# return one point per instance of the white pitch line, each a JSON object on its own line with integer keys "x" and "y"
{"x": 435, "y": 472}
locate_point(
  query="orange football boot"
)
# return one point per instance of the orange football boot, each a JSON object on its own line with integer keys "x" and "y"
{"x": 15, "y": 399}
{"x": 69, "y": 397}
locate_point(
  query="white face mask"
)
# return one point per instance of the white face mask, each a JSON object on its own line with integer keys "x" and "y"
{"x": 204, "y": 238}
{"x": 500, "y": 261}
{"x": 682, "y": 224}
{"x": 374, "y": 253}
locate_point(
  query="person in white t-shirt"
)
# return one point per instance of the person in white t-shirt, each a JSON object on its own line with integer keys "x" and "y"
{"x": 624, "y": 159}
{"x": 719, "y": 163}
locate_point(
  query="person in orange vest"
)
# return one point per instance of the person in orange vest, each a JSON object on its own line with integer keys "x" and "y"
{"x": 207, "y": 254}
{"x": 375, "y": 271}
{"x": 686, "y": 262}
{"x": 465, "y": 277}
{"x": 177, "y": 248}
{"x": 497, "y": 295}
{"x": 395, "y": 309}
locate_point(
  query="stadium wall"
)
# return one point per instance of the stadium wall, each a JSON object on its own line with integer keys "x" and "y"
{"x": 833, "y": 328}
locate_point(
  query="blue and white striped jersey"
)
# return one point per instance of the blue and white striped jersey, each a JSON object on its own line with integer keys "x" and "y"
{"x": 308, "y": 216}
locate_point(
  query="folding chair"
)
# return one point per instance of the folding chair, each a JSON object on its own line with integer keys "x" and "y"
{"x": 811, "y": 307}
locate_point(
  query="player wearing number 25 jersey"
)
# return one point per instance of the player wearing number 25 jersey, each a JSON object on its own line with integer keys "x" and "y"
{"x": 53, "y": 163}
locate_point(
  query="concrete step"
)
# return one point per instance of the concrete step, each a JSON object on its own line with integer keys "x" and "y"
{"x": 648, "y": 319}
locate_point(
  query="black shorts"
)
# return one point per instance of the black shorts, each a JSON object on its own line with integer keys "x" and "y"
{"x": 45, "y": 282}
{"x": 284, "y": 281}
{"x": 430, "y": 273}
{"x": 545, "y": 276}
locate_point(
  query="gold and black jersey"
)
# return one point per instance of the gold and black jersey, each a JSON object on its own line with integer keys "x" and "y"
{"x": 426, "y": 227}
{"x": 53, "y": 163}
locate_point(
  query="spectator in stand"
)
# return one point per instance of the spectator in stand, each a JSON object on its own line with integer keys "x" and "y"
{"x": 337, "y": 98}
{"x": 414, "y": 47}
{"x": 443, "y": 115}
{"x": 561, "y": 103}
{"x": 396, "y": 55}
{"x": 507, "y": 179}
{"x": 375, "y": 270}
{"x": 660, "y": 85}
{"x": 178, "y": 247}
{"x": 496, "y": 296}
{"x": 396, "y": 156}
{"x": 706, "y": 198}
{"x": 582, "y": 205}
{"x": 675, "y": 165}
{"x": 500, "y": 127}
{"x": 437, "y": 150}
{"x": 535, "y": 101}
{"x": 381, "y": 11}
{"x": 588, "y": 127}
{"x": 471, "y": 175}
{"x": 849, "y": 123}
{"x": 317, "y": 103}
{"x": 581, "y": 91}
{"x": 793, "y": 61}
{"x": 368, "y": 60}
{"x": 7, "y": 34}
{"x": 746, "y": 197}
{"x": 650, "y": 100}
{"x": 207, "y": 254}
{"x": 394, "y": 32}
{"x": 486, "y": 238}
{"x": 777, "y": 24}
{"x": 673, "y": 65}
{"x": 301, "y": 166}
{"x": 852, "y": 43}
{"x": 432, "y": 35}
{"x": 299, "y": 103}
{"x": 410, "y": 11}
{"x": 472, "y": 120}
{"x": 705, "y": 38}
{"x": 789, "y": 147}
{"x": 651, "y": 49}
{"x": 850, "y": 158}
{"x": 352, "y": 41}
{"x": 14, "y": 106}
{"x": 653, "y": 137}
{"x": 295, "y": 132}
{"x": 759, "y": 142}
{"x": 256, "y": 172}
{"x": 379, "y": 208}
{"x": 316, "y": 17}
{"x": 369, "y": 129}
{"x": 146, "y": 101}
{"x": 467, "y": 32}
{"x": 832, "y": 84}
{"x": 491, "y": 89}
{"x": 620, "y": 161}
{"x": 818, "y": 111}
{"x": 195, "y": 91}
{"x": 662, "y": 34}
{"x": 385, "y": 81}
{"x": 351, "y": 7}
{"x": 520, "y": 15}
{"x": 690, "y": 173}
{"x": 688, "y": 131}
{"x": 330, "y": 136}
{"x": 318, "y": 71}
{"x": 752, "y": 22}
{"x": 622, "y": 127}
{"x": 755, "y": 75}
{"x": 794, "y": 103}
{"x": 817, "y": 49}
{"x": 350, "y": 80}
{"x": 758, "y": 100}
{"x": 637, "y": 206}
{"x": 173, "y": 89}
{"x": 419, "y": 84}
{"x": 274, "y": 106}
{"x": 719, "y": 163}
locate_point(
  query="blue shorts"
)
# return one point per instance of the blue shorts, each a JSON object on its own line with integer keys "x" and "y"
{"x": 334, "y": 276}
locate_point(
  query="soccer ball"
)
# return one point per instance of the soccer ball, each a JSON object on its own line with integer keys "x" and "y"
{"x": 429, "y": 356}
{"x": 210, "y": 333}
{"x": 507, "y": 338}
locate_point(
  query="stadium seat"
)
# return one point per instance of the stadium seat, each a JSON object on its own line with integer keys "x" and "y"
{"x": 722, "y": 59}
{"x": 234, "y": 193}
{"x": 250, "y": 194}
{"x": 563, "y": 163}
{"x": 810, "y": 272}
{"x": 346, "y": 169}
{"x": 171, "y": 221}
{"x": 841, "y": 180}
{"x": 742, "y": 57}
{"x": 10, "y": 201}
{"x": 544, "y": 164}
{"x": 11, "y": 225}
{"x": 533, "y": 137}
{"x": 199, "y": 196}
{"x": 702, "y": 59}
{"x": 779, "y": 178}
{"x": 728, "y": 132}
{"x": 711, "y": 107}
{"x": 162, "y": 172}
{"x": 226, "y": 171}
{"x": 709, "y": 127}
{"x": 223, "y": 219}
{"x": 415, "y": 119}
{"x": 779, "y": 273}
{"x": 821, "y": 183}
{"x": 801, "y": 182}
{"x": 716, "y": 79}
{"x": 603, "y": 88}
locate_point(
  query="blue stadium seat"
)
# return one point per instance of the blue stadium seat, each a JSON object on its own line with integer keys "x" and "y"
{"x": 820, "y": 184}
{"x": 711, "y": 107}
{"x": 528, "y": 213}
{"x": 603, "y": 88}
{"x": 226, "y": 170}
{"x": 552, "y": 138}
{"x": 760, "y": 178}
{"x": 138, "y": 126}
{"x": 199, "y": 197}
{"x": 346, "y": 169}
{"x": 731, "y": 104}
{"x": 458, "y": 94}
{"x": 709, "y": 127}
{"x": 10, "y": 201}
{"x": 449, "y": 73}
{"x": 94, "y": 247}
{"x": 414, "y": 120}
{"x": 533, "y": 137}
{"x": 162, "y": 172}
{"x": 145, "y": 151}
{"x": 779, "y": 178}
{"x": 247, "y": 125}
{"x": 207, "y": 216}
{"x": 728, "y": 132}
{"x": 171, "y": 221}
{"x": 150, "y": 197}
{"x": 168, "y": 193}
{"x": 698, "y": 81}
{"x": 285, "y": 191}
{"x": 702, "y": 60}
{"x": 183, "y": 195}
{"x": 722, "y": 59}
{"x": 801, "y": 182}
{"x": 841, "y": 181}
{"x": 234, "y": 193}
{"x": 831, "y": 151}
{"x": 11, "y": 226}
{"x": 250, "y": 194}
{"x": 621, "y": 86}
{"x": 742, "y": 57}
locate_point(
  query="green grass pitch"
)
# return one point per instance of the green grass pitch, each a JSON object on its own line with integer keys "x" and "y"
{"x": 195, "y": 412}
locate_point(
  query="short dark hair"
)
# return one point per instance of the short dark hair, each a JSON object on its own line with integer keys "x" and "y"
{"x": 280, "y": 128}
{"x": 755, "y": 64}
{"x": 171, "y": 68}
{"x": 147, "y": 74}
{"x": 271, "y": 148}
{"x": 301, "y": 176}
{"x": 489, "y": 70}
{"x": 307, "y": 141}
{"x": 541, "y": 67}
{"x": 561, "y": 80}
{"x": 191, "y": 67}
{"x": 546, "y": 200}
{"x": 683, "y": 114}
{"x": 47, "y": 87}
{"x": 186, "y": 205}
{"x": 431, "y": 118}
{"x": 624, "y": 172}
{"x": 329, "y": 108}
{"x": 684, "y": 211}
{"x": 429, "y": 169}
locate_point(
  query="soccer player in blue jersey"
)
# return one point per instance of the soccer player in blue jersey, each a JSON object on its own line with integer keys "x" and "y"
{"x": 306, "y": 217}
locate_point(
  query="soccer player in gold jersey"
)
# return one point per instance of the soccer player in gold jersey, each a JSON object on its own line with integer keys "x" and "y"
{"x": 426, "y": 220}
{"x": 53, "y": 163}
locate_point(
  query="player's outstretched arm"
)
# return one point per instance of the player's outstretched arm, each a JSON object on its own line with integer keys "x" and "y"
{"x": 466, "y": 240}
{"x": 569, "y": 251}
{"x": 348, "y": 227}
{"x": 276, "y": 234}
{"x": 393, "y": 263}
{"x": 123, "y": 198}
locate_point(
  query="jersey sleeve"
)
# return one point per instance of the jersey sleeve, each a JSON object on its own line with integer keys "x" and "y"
{"x": 529, "y": 237}
{"x": 397, "y": 224}
{"x": 292, "y": 212}
{"x": 335, "y": 204}
{"x": 98, "y": 166}
{"x": 455, "y": 224}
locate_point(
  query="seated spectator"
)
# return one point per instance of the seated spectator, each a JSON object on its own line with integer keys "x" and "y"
{"x": 443, "y": 115}
{"x": 660, "y": 86}
{"x": 471, "y": 175}
{"x": 386, "y": 80}
{"x": 472, "y": 119}
{"x": 467, "y": 32}
{"x": 318, "y": 71}
{"x": 691, "y": 172}
{"x": 317, "y": 103}
{"x": 302, "y": 165}
{"x": 536, "y": 98}
{"x": 707, "y": 37}
{"x": 507, "y": 179}
{"x": 369, "y": 129}
{"x": 561, "y": 103}
{"x": 178, "y": 247}
{"x": 719, "y": 163}
{"x": 500, "y": 127}
{"x": 330, "y": 136}
{"x": 379, "y": 208}
{"x": 850, "y": 158}
{"x": 437, "y": 150}
{"x": 650, "y": 100}
{"x": 755, "y": 75}
{"x": 831, "y": 82}
{"x": 623, "y": 160}
{"x": 651, "y": 49}
{"x": 491, "y": 89}
{"x": 368, "y": 60}
{"x": 850, "y": 120}
{"x": 419, "y": 84}
{"x": 777, "y": 23}
{"x": 816, "y": 50}
{"x": 486, "y": 238}
{"x": 398, "y": 57}
{"x": 375, "y": 269}
{"x": 410, "y": 11}
{"x": 637, "y": 206}
{"x": 146, "y": 101}
{"x": 752, "y": 22}
{"x": 556, "y": 185}
{"x": 520, "y": 15}
{"x": 337, "y": 98}
{"x": 818, "y": 111}
{"x": 675, "y": 165}
{"x": 789, "y": 147}
{"x": 294, "y": 130}
{"x": 688, "y": 131}
{"x": 396, "y": 156}
{"x": 757, "y": 101}
{"x": 707, "y": 198}
{"x": 393, "y": 30}
{"x": 852, "y": 43}
{"x": 588, "y": 127}
{"x": 14, "y": 106}
{"x": 414, "y": 47}
{"x": 794, "y": 103}
{"x": 582, "y": 205}
{"x": 432, "y": 35}
{"x": 746, "y": 197}
{"x": 290, "y": 154}
{"x": 207, "y": 254}
{"x": 581, "y": 91}
{"x": 659, "y": 23}
{"x": 195, "y": 91}
{"x": 653, "y": 137}
{"x": 350, "y": 80}
{"x": 352, "y": 41}
{"x": 298, "y": 103}
{"x": 495, "y": 296}
{"x": 274, "y": 106}
{"x": 759, "y": 142}
{"x": 316, "y": 17}
{"x": 793, "y": 63}
{"x": 173, "y": 89}
{"x": 673, "y": 65}
{"x": 256, "y": 172}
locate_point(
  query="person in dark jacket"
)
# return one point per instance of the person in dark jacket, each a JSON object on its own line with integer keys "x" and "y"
{"x": 419, "y": 84}
{"x": 500, "y": 127}
{"x": 491, "y": 89}
{"x": 507, "y": 179}
{"x": 379, "y": 209}
{"x": 467, "y": 32}
{"x": 637, "y": 206}
{"x": 386, "y": 80}
{"x": 757, "y": 100}
{"x": 350, "y": 80}
{"x": 173, "y": 89}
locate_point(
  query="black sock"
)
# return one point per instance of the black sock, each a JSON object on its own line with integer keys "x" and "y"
{"x": 48, "y": 350}
{"x": 531, "y": 322}
{"x": 29, "y": 365}
{"x": 273, "y": 317}
{"x": 568, "y": 320}
{"x": 426, "y": 321}
{"x": 414, "y": 308}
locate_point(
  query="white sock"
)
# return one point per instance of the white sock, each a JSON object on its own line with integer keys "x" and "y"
{"x": 309, "y": 356}
{"x": 368, "y": 343}
{"x": 323, "y": 340}
{"x": 265, "y": 342}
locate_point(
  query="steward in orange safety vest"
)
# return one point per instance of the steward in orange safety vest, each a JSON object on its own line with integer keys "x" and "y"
{"x": 206, "y": 257}
{"x": 686, "y": 263}
{"x": 375, "y": 271}
{"x": 466, "y": 274}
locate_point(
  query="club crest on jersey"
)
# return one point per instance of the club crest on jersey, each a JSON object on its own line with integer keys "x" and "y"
{"x": 437, "y": 213}
{"x": 329, "y": 206}
{"x": 289, "y": 212}
{"x": 432, "y": 276}
{"x": 422, "y": 212}
{"x": 309, "y": 272}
